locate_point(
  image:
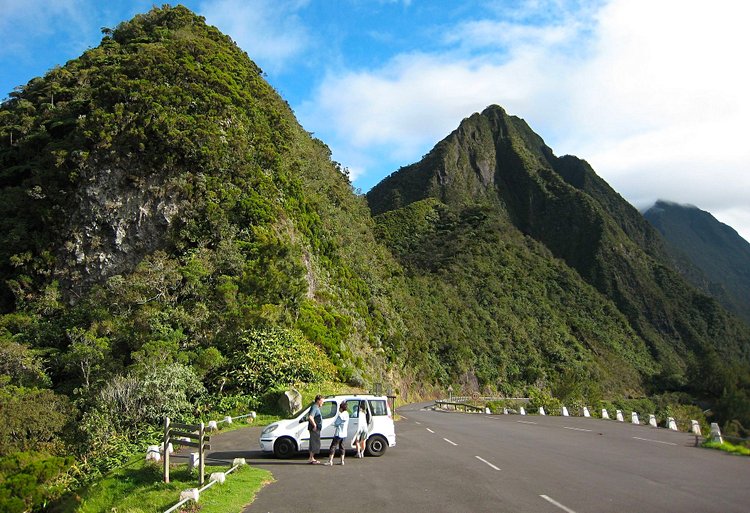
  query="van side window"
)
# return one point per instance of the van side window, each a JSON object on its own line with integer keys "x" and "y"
{"x": 377, "y": 407}
{"x": 328, "y": 409}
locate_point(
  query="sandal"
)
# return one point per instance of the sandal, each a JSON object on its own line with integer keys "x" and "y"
{"x": 314, "y": 462}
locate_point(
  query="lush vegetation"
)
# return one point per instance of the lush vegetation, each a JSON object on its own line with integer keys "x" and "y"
{"x": 172, "y": 242}
{"x": 138, "y": 487}
{"x": 528, "y": 269}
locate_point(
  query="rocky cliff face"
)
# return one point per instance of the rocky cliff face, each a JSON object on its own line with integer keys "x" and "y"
{"x": 119, "y": 218}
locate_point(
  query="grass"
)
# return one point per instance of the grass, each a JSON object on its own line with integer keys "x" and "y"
{"x": 728, "y": 447}
{"x": 138, "y": 488}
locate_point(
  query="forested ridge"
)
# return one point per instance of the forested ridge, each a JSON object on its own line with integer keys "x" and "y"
{"x": 173, "y": 242}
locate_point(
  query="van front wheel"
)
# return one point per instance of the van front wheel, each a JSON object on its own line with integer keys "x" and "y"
{"x": 284, "y": 448}
{"x": 376, "y": 445}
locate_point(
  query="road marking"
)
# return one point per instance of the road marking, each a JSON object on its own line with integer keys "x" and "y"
{"x": 553, "y": 501}
{"x": 406, "y": 418}
{"x": 525, "y": 422}
{"x": 487, "y": 462}
{"x": 656, "y": 441}
{"x": 417, "y": 422}
{"x": 452, "y": 443}
{"x": 430, "y": 430}
{"x": 576, "y": 429}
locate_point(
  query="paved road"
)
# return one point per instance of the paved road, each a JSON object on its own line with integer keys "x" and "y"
{"x": 451, "y": 462}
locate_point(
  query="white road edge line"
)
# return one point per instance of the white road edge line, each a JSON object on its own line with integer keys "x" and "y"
{"x": 553, "y": 501}
{"x": 487, "y": 462}
{"x": 656, "y": 441}
{"x": 525, "y": 422}
{"x": 576, "y": 429}
{"x": 430, "y": 430}
{"x": 452, "y": 443}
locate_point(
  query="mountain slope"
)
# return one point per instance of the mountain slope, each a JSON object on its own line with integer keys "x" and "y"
{"x": 495, "y": 160}
{"x": 158, "y": 190}
{"x": 715, "y": 248}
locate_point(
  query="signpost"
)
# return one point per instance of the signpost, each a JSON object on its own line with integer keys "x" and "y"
{"x": 191, "y": 435}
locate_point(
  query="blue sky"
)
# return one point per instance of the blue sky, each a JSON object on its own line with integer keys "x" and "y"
{"x": 653, "y": 93}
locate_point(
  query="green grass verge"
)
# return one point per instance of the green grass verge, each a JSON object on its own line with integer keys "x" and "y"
{"x": 138, "y": 488}
{"x": 728, "y": 447}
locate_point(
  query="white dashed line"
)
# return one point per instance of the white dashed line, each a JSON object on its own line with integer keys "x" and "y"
{"x": 525, "y": 422}
{"x": 577, "y": 429}
{"x": 553, "y": 501}
{"x": 430, "y": 430}
{"x": 452, "y": 443}
{"x": 406, "y": 418}
{"x": 655, "y": 441}
{"x": 417, "y": 422}
{"x": 487, "y": 462}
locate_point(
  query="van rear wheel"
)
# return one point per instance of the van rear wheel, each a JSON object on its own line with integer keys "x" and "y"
{"x": 376, "y": 445}
{"x": 284, "y": 448}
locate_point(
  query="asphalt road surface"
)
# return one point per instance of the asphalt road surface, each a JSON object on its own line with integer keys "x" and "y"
{"x": 454, "y": 462}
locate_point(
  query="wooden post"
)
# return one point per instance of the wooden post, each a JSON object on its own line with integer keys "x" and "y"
{"x": 201, "y": 455}
{"x": 165, "y": 448}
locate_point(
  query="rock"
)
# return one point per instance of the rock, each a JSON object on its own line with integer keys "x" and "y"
{"x": 290, "y": 401}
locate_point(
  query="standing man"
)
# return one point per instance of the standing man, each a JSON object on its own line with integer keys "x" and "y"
{"x": 314, "y": 425}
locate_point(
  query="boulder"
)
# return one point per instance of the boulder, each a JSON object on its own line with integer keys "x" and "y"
{"x": 290, "y": 402}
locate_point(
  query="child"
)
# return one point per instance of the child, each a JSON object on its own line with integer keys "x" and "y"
{"x": 341, "y": 423}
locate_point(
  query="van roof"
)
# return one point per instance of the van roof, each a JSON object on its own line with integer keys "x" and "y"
{"x": 358, "y": 396}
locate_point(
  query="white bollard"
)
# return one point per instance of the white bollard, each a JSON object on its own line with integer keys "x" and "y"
{"x": 487, "y": 411}
{"x": 505, "y": 411}
{"x": 695, "y": 427}
{"x": 170, "y": 449}
{"x": 192, "y": 493}
{"x": 586, "y": 412}
{"x": 541, "y": 410}
{"x": 212, "y": 425}
{"x": 252, "y": 415}
{"x": 523, "y": 412}
{"x": 605, "y": 414}
{"x": 716, "y": 433}
{"x": 619, "y": 416}
{"x": 228, "y": 419}
{"x": 671, "y": 424}
{"x": 193, "y": 460}
{"x": 652, "y": 420}
{"x": 565, "y": 412}
{"x": 238, "y": 461}
{"x": 634, "y": 418}
{"x": 218, "y": 476}
{"x": 153, "y": 453}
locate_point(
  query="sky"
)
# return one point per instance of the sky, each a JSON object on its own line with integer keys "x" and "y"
{"x": 654, "y": 94}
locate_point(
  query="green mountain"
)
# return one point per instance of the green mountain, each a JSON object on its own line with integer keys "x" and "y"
{"x": 173, "y": 242}
{"x": 717, "y": 250}
{"x": 495, "y": 178}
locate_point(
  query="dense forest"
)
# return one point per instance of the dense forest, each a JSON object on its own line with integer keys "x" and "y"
{"x": 166, "y": 225}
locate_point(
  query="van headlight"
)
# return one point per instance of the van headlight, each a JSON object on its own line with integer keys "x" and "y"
{"x": 269, "y": 429}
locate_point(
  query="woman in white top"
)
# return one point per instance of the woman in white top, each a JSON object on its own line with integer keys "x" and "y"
{"x": 341, "y": 422}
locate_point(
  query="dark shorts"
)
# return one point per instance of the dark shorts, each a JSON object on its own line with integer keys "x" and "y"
{"x": 337, "y": 443}
{"x": 315, "y": 442}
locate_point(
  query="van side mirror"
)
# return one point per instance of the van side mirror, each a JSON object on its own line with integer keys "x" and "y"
{"x": 303, "y": 419}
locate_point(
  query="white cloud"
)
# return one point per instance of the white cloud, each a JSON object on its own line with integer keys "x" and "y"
{"x": 653, "y": 95}
{"x": 270, "y": 31}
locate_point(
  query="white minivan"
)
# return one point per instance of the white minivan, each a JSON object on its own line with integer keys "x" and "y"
{"x": 285, "y": 438}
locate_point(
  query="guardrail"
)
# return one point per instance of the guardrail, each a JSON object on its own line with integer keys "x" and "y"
{"x": 458, "y": 404}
